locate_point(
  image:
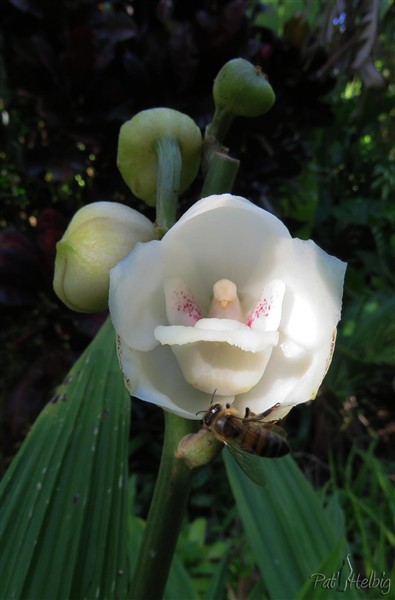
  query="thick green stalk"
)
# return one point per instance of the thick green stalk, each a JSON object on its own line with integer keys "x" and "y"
{"x": 219, "y": 168}
{"x": 165, "y": 515}
{"x": 168, "y": 182}
{"x": 221, "y": 173}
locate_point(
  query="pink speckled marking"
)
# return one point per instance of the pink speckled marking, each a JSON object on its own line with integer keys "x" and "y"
{"x": 262, "y": 309}
{"x": 266, "y": 315}
{"x": 184, "y": 302}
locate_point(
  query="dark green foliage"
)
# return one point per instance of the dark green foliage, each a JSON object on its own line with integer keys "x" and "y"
{"x": 364, "y": 490}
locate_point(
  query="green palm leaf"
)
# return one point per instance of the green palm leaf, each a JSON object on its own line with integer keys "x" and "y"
{"x": 288, "y": 530}
{"x": 64, "y": 498}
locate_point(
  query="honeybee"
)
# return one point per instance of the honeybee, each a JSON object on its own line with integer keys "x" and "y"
{"x": 248, "y": 437}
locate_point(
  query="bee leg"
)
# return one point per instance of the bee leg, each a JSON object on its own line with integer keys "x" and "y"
{"x": 269, "y": 410}
{"x": 250, "y": 416}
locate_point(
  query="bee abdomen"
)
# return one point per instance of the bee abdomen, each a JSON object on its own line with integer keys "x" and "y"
{"x": 263, "y": 442}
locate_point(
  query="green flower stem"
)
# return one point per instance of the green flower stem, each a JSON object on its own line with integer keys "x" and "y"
{"x": 221, "y": 174}
{"x": 165, "y": 515}
{"x": 219, "y": 126}
{"x": 168, "y": 182}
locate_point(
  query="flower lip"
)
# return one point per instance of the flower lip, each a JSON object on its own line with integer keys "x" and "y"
{"x": 226, "y": 331}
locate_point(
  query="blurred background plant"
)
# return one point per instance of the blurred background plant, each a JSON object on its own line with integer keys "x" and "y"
{"x": 323, "y": 160}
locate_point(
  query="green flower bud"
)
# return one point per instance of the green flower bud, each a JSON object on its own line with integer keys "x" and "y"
{"x": 138, "y": 145}
{"x": 97, "y": 238}
{"x": 242, "y": 89}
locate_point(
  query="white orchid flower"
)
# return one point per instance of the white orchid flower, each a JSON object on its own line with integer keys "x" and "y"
{"x": 226, "y": 302}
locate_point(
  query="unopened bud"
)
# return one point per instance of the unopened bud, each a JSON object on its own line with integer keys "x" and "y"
{"x": 138, "y": 149}
{"x": 97, "y": 238}
{"x": 242, "y": 89}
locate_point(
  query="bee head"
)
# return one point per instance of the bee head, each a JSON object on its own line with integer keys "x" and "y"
{"x": 210, "y": 415}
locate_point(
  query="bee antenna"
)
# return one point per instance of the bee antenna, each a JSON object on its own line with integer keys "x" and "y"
{"x": 212, "y": 397}
{"x": 211, "y": 401}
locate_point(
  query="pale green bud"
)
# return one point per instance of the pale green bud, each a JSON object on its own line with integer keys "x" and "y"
{"x": 242, "y": 89}
{"x": 138, "y": 149}
{"x": 97, "y": 238}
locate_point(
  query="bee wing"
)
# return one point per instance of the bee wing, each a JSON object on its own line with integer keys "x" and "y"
{"x": 272, "y": 425}
{"x": 249, "y": 463}
{"x": 276, "y": 429}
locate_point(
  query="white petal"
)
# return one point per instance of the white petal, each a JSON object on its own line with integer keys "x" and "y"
{"x": 156, "y": 377}
{"x": 266, "y": 314}
{"x": 292, "y": 376}
{"x": 213, "y": 202}
{"x": 308, "y": 386}
{"x": 280, "y": 378}
{"x": 137, "y": 302}
{"x": 313, "y": 297}
{"x": 239, "y": 243}
{"x": 181, "y": 306}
